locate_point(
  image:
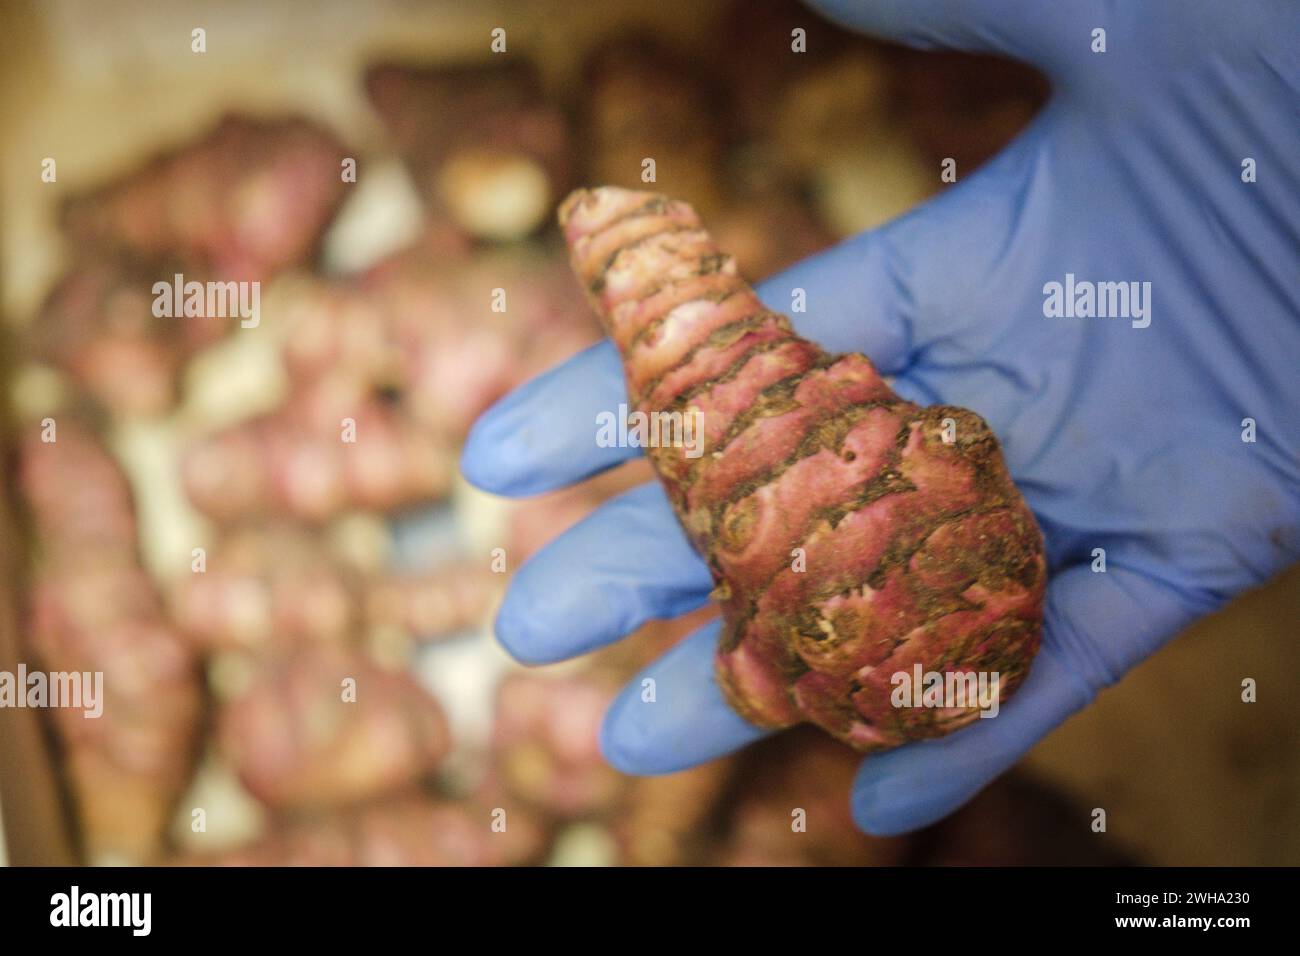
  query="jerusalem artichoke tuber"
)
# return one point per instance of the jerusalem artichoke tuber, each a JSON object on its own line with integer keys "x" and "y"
{"x": 92, "y": 609}
{"x": 546, "y": 744}
{"x": 410, "y": 354}
{"x": 97, "y": 325}
{"x": 274, "y": 586}
{"x": 410, "y": 829}
{"x": 325, "y": 727}
{"x": 851, "y": 534}
{"x": 244, "y": 202}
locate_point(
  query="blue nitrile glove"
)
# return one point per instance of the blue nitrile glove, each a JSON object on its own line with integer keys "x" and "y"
{"x": 1123, "y": 435}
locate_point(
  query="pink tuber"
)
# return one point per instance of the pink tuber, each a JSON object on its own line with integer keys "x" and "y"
{"x": 851, "y": 534}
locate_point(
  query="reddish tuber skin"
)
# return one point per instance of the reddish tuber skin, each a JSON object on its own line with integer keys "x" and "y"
{"x": 546, "y": 751}
{"x": 75, "y": 493}
{"x": 407, "y": 830}
{"x": 456, "y": 354}
{"x": 296, "y": 743}
{"x": 413, "y": 353}
{"x": 425, "y": 832}
{"x": 434, "y": 604}
{"x": 97, "y": 325}
{"x": 266, "y": 586}
{"x": 294, "y": 461}
{"x": 93, "y": 608}
{"x": 546, "y": 747}
{"x": 916, "y": 550}
{"x": 270, "y": 588}
{"x": 244, "y": 202}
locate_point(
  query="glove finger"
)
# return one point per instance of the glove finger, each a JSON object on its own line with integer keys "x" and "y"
{"x": 672, "y": 715}
{"x": 621, "y": 566}
{"x": 1086, "y": 614}
{"x": 543, "y": 435}
{"x": 1014, "y": 28}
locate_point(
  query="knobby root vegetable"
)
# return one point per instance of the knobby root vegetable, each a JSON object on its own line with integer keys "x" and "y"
{"x": 97, "y": 325}
{"x": 425, "y": 832}
{"x": 851, "y": 534}
{"x": 268, "y": 586}
{"x": 433, "y": 604}
{"x": 546, "y": 750}
{"x": 93, "y": 609}
{"x": 546, "y": 757}
{"x": 273, "y": 586}
{"x": 467, "y": 332}
{"x": 412, "y": 352}
{"x": 75, "y": 494}
{"x": 296, "y": 461}
{"x": 246, "y": 201}
{"x": 326, "y": 727}
{"x": 407, "y": 830}
{"x": 546, "y": 744}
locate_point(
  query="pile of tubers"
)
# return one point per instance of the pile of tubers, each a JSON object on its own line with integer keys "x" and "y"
{"x": 270, "y": 681}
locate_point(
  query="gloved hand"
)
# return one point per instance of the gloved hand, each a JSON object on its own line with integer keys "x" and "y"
{"x": 1123, "y": 435}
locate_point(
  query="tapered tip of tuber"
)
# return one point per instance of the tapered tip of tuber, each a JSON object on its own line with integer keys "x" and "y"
{"x": 879, "y": 574}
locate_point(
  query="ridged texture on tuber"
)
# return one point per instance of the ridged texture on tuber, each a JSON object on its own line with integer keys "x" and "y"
{"x": 847, "y": 538}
